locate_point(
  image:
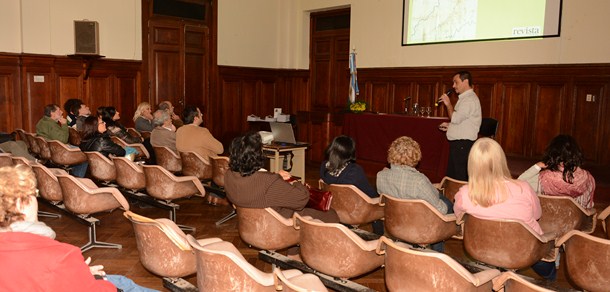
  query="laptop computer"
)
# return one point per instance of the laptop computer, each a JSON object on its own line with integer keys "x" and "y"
{"x": 283, "y": 133}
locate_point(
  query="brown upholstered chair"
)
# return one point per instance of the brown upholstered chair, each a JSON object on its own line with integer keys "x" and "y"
{"x": 45, "y": 151}
{"x": 416, "y": 221}
{"x": 32, "y": 144}
{"x": 100, "y": 167}
{"x": 333, "y": 249}
{"x": 408, "y": 269}
{"x": 352, "y": 205}
{"x": 508, "y": 244}
{"x": 22, "y": 136}
{"x": 142, "y": 152}
{"x": 6, "y": 159}
{"x": 302, "y": 283}
{"x": 195, "y": 165}
{"x": 74, "y": 137}
{"x": 561, "y": 214}
{"x": 168, "y": 159}
{"x": 163, "y": 185}
{"x": 21, "y": 160}
{"x": 48, "y": 184}
{"x": 605, "y": 217}
{"x": 162, "y": 246}
{"x": 221, "y": 267}
{"x": 449, "y": 187}
{"x": 134, "y": 132}
{"x": 510, "y": 281}
{"x": 63, "y": 155}
{"x": 145, "y": 134}
{"x": 587, "y": 260}
{"x": 266, "y": 229}
{"x": 82, "y": 197}
{"x": 220, "y": 165}
{"x": 129, "y": 175}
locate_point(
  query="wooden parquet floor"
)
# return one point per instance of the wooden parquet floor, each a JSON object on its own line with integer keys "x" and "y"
{"x": 195, "y": 212}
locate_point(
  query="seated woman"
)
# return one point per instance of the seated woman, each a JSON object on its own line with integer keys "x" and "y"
{"x": 95, "y": 138}
{"x": 248, "y": 185}
{"x": 403, "y": 181}
{"x": 559, "y": 172}
{"x": 491, "y": 193}
{"x": 143, "y": 118}
{"x": 340, "y": 166}
{"x": 31, "y": 259}
{"x": 111, "y": 117}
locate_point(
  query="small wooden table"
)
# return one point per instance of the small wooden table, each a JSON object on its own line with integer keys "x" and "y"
{"x": 277, "y": 152}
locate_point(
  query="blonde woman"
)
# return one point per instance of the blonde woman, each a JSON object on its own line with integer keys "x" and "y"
{"x": 491, "y": 193}
{"x": 143, "y": 118}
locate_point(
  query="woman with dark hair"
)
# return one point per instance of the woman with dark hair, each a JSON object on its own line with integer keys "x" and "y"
{"x": 248, "y": 185}
{"x": 111, "y": 117}
{"x": 95, "y": 138}
{"x": 340, "y": 166}
{"x": 559, "y": 172}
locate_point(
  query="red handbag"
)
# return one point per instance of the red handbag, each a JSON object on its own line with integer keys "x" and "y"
{"x": 319, "y": 199}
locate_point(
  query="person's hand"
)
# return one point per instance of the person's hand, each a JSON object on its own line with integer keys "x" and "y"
{"x": 284, "y": 174}
{"x": 445, "y": 99}
{"x": 63, "y": 121}
{"x": 175, "y": 116}
{"x": 443, "y": 126}
{"x": 148, "y": 116}
{"x": 541, "y": 164}
{"x": 95, "y": 270}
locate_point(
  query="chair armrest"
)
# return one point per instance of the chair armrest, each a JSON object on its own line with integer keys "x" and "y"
{"x": 483, "y": 277}
{"x": 195, "y": 181}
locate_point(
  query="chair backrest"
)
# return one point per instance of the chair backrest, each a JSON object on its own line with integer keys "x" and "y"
{"x": 333, "y": 249}
{"x": 604, "y": 216}
{"x": 45, "y": 151}
{"x": 6, "y": 159}
{"x": 63, "y": 155}
{"x": 100, "y": 167}
{"x": 74, "y": 136}
{"x": 416, "y": 221}
{"x": 408, "y": 269}
{"x": 33, "y": 145}
{"x": 561, "y": 214}
{"x": 450, "y": 187}
{"x": 220, "y": 165}
{"x": 508, "y": 244}
{"x": 587, "y": 260}
{"x": 48, "y": 184}
{"x": 22, "y": 136}
{"x": 162, "y": 184}
{"x": 221, "y": 267}
{"x": 167, "y": 159}
{"x": 299, "y": 283}
{"x": 83, "y": 197}
{"x": 512, "y": 282}
{"x": 489, "y": 127}
{"x": 353, "y": 206}
{"x": 142, "y": 152}
{"x": 128, "y": 174}
{"x": 162, "y": 246}
{"x": 195, "y": 165}
{"x": 134, "y": 132}
{"x": 265, "y": 228}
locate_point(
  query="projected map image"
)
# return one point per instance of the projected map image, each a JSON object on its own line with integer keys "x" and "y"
{"x": 438, "y": 21}
{"x": 446, "y": 20}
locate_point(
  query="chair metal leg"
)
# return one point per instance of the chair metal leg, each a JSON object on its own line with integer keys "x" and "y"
{"x": 185, "y": 228}
{"x": 178, "y": 285}
{"x": 227, "y": 218}
{"x": 93, "y": 238}
{"x": 48, "y": 214}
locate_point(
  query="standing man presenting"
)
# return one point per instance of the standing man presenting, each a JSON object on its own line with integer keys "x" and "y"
{"x": 464, "y": 126}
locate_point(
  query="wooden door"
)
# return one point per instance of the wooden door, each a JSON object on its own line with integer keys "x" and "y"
{"x": 178, "y": 63}
{"x": 329, "y": 60}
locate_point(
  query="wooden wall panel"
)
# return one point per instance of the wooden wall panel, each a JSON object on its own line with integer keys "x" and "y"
{"x": 10, "y": 99}
{"x": 379, "y": 100}
{"x": 587, "y": 118}
{"x": 549, "y": 106}
{"x": 514, "y": 117}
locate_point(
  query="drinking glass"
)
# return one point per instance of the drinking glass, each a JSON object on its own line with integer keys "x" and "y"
{"x": 422, "y": 110}
{"x": 428, "y": 110}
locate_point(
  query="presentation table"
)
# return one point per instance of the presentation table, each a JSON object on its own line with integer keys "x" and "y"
{"x": 373, "y": 134}
{"x": 294, "y": 155}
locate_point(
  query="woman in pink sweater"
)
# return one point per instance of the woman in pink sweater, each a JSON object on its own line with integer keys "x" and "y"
{"x": 491, "y": 193}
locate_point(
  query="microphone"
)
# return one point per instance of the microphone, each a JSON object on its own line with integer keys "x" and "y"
{"x": 447, "y": 93}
